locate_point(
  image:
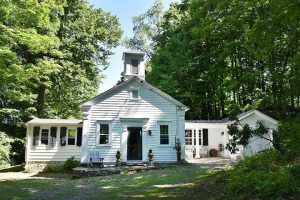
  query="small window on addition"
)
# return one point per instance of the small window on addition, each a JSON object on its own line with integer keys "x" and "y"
{"x": 71, "y": 136}
{"x": 45, "y": 135}
{"x": 134, "y": 94}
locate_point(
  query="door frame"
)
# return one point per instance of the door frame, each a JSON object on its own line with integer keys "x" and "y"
{"x": 140, "y": 143}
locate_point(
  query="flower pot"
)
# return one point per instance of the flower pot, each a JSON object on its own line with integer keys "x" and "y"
{"x": 150, "y": 156}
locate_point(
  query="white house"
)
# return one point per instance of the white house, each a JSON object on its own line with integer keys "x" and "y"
{"x": 132, "y": 118}
{"x": 203, "y": 135}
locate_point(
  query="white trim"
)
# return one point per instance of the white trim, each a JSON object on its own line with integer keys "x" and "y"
{"x": 168, "y": 123}
{"x": 67, "y": 136}
{"x": 107, "y": 93}
{"x": 260, "y": 114}
{"x": 98, "y": 123}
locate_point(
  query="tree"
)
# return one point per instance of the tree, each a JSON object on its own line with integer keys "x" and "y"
{"x": 51, "y": 56}
{"x": 145, "y": 29}
{"x": 87, "y": 36}
{"x": 223, "y": 55}
{"x": 241, "y": 134}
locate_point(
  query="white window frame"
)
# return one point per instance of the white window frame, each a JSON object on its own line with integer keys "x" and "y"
{"x": 67, "y": 136}
{"x": 40, "y": 135}
{"x": 190, "y": 138}
{"x": 200, "y": 137}
{"x": 169, "y": 132}
{"x": 104, "y": 122}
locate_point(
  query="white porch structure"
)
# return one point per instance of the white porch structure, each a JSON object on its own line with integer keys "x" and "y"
{"x": 203, "y": 135}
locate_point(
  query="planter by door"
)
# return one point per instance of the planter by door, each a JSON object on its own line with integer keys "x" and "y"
{"x": 134, "y": 143}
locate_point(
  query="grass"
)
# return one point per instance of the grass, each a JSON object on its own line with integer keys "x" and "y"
{"x": 177, "y": 182}
{"x": 257, "y": 177}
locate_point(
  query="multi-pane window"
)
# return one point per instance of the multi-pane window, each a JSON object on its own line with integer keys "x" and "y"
{"x": 104, "y": 134}
{"x": 45, "y": 136}
{"x": 71, "y": 136}
{"x": 200, "y": 139}
{"x": 134, "y": 66}
{"x": 195, "y": 132}
{"x": 164, "y": 134}
{"x": 188, "y": 137}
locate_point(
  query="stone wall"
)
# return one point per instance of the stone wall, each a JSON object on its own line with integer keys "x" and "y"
{"x": 37, "y": 166}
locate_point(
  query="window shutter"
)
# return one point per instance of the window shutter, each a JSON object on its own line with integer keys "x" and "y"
{"x": 79, "y": 136}
{"x": 53, "y": 135}
{"x": 205, "y": 137}
{"x": 36, "y": 133}
{"x": 63, "y": 133}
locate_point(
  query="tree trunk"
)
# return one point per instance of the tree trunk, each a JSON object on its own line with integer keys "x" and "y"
{"x": 41, "y": 100}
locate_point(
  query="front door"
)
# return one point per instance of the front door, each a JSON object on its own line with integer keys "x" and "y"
{"x": 134, "y": 143}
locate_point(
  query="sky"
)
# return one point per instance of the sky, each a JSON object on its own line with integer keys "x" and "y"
{"x": 124, "y": 10}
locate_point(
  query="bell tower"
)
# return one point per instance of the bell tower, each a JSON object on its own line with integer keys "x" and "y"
{"x": 134, "y": 64}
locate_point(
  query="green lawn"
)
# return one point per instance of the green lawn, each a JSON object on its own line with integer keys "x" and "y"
{"x": 180, "y": 182}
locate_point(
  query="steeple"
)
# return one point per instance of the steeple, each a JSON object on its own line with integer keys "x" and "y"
{"x": 134, "y": 64}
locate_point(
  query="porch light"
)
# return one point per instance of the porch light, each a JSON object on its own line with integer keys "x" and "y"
{"x": 149, "y": 132}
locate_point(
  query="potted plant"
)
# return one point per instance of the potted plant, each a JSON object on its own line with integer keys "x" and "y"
{"x": 213, "y": 152}
{"x": 118, "y": 158}
{"x": 178, "y": 150}
{"x": 150, "y": 157}
{"x": 177, "y": 145}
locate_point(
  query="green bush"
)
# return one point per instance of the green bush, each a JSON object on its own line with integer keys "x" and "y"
{"x": 70, "y": 164}
{"x": 54, "y": 169}
{"x": 287, "y": 139}
{"x": 5, "y": 148}
{"x": 261, "y": 176}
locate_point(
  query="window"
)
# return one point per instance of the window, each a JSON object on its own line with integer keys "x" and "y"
{"x": 200, "y": 142}
{"x": 71, "y": 136}
{"x": 188, "y": 137}
{"x": 134, "y": 94}
{"x": 195, "y": 137}
{"x": 205, "y": 137}
{"x": 104, "y": 134}
{"x": 134, "y": 66}
{"x": 45, "y": 136}
{"x": 164, "y": 134}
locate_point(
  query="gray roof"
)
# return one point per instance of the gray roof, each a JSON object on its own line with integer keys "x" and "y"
{"x": 239, "y": 116}
{"x": 225, "y": 120}
{"x": 54, "y": 121}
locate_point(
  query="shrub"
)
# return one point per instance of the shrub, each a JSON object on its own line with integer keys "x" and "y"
{"x": 54, "y": 168}
{"x": 5, "y": 148}
{"x": 70, "y": 164}
{"x": 262, "y": 175}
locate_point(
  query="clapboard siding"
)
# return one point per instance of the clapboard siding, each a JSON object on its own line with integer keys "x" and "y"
{"x": 120, "y": 105}
{"x": 47, "y": 153}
